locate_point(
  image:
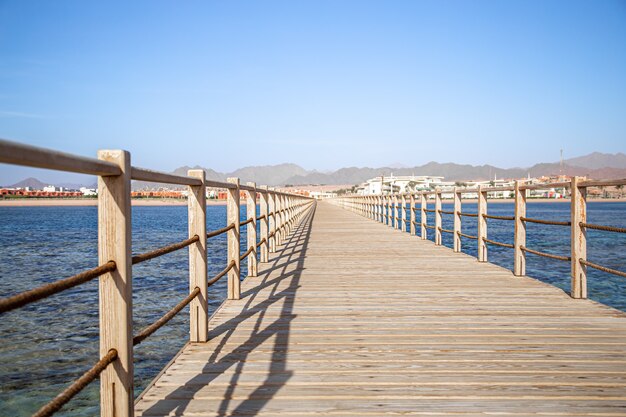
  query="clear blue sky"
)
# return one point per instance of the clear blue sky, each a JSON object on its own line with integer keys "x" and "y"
{"x": 324, "y": 84}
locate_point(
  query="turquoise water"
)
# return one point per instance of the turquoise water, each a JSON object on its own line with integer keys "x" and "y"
{"x": 47, "y": 345}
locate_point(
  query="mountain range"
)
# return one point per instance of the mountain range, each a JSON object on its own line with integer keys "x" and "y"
{"x": 595, "y": 165}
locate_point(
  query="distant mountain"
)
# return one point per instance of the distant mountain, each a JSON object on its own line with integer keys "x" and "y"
{"x": 599, "y": 160}
{"x": 262, "y": 175}
{"x": 33, "y": 183}
{"x": 456, "y": 172}
{"x": 596, "y": 165}
{"x": 268, "y": 174}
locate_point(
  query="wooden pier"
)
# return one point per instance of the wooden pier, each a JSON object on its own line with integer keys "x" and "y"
{"x": 353, "y": 318}
{"x": 342, "y": 312}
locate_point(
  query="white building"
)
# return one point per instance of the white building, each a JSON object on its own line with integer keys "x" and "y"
{"x": 88, "y": 192}
{"x": 399, "y": 184}
{"x": 320, "y": 195}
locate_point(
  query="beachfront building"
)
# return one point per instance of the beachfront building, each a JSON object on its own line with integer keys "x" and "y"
{"x": 321, "y": 195}
{"x": 88, "y": 192}
{"x": 398, "y": 184}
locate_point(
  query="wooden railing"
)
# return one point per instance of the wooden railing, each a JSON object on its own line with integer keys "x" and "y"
{"x": 391, "y": 210}
{"x": 279, "y": 212}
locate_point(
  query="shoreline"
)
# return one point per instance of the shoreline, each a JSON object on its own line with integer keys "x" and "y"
{"x": 52, "y": 202}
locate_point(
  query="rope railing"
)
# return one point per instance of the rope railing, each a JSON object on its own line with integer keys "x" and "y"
{"x": 545, "y": 254}
{"x": 262, "y": 241}
{"x": 217, "y": 277}
{"x": 67, "y": 394}
{"x": 142, "y": 335}
{"x": 466, "y": 235}
{"x": 441, "y": 229}
{"x": 245, "y": 222}
{"x": 603, "y": 228}
{"x": 602, "y": 268}
{"x": 446, "y": 211}
{"x": 248, "y": 252}
{"x": 549, "y": 222}
{"x": 491, "y": 216}
{"x": 429, "y": 226}
{"x": 261, "y": 217}
{"x": 164, "y": 250}
{"x": 460, "y": 213}
{"x": 493, "y": 242}
{"x": 429, "y": 210}
{"x": 27, "y": 297}
{"x": 220, "y": 231}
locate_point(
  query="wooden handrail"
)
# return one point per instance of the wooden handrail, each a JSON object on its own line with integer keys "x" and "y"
{"x": 142, "y": 174}
{"x": 20, "y": 154}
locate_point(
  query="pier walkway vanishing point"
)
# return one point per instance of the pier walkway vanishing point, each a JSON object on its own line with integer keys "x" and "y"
{"x": 352, "y": 318}
{"x": 341, "y": 313}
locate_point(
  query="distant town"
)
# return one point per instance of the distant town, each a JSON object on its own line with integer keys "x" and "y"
{"x": 366, "y": 181}
{"x": 380, "y": 185}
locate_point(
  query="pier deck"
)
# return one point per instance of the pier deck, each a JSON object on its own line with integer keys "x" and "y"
{"x": 353, "y": 318}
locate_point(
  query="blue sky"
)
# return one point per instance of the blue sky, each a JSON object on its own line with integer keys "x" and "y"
{"x": 324, "y": 84}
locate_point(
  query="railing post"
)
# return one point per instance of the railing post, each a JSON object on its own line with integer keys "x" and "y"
{"x": 198, "y": 308}
{"x": 381, "y": 211}
{"x": 519, "y": 263}
{"x": 234, "y": 285}
{"x": 279, "y": 220}
{"x": 578, "y": 197}
{"x": 482, "y": 225}
{"x": 457, "y": 220}
{"x": 287, "y": 212}
{"x": 285, "y": 217}
{"x": 403, "y": 213}
{"x": 116, "y": 298}
{"x": 388, "y": 209}
{"x": 263, "y": 202}
{"x": 272, "y": 220}
{"x": 423, "y": 218}
{"x": 396, "y": 212}
{"x": 412, "y": 214}
{"x": 438, "y": 221}
{"x": 251, "y": 230}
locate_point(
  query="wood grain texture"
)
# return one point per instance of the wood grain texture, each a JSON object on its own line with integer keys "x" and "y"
{"x": 251, "y": 238}
{"x": 232, "y": 216}
{"x": 116, "y": 288}
{"x": 198, "y": 308}
{"x": 351, "y": 318}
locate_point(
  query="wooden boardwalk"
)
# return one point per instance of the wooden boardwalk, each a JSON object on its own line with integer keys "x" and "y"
{"x": 352, "y": 318}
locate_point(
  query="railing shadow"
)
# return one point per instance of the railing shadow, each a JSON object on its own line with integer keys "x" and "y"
{"x": 290, "y": 256}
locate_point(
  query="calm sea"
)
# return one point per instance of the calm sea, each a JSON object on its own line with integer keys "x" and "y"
{"x": 47, "y": 345}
